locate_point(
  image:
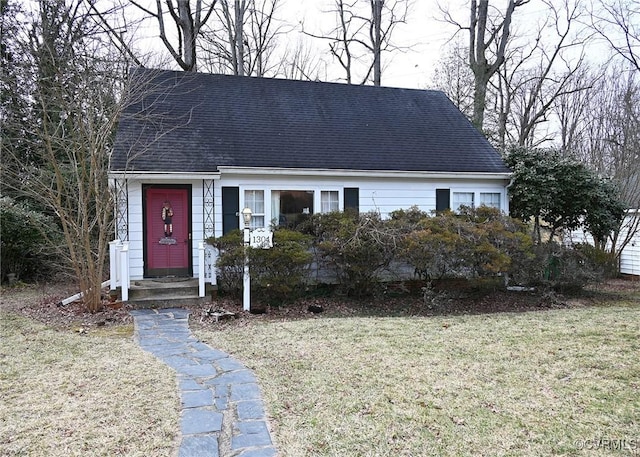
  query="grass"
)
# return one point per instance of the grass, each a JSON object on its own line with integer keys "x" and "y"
{"x": 509, "y": 384}
{"x": 71, "y": 394}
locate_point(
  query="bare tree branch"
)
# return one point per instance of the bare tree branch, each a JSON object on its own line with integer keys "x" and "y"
{"x": 362, "y": 34}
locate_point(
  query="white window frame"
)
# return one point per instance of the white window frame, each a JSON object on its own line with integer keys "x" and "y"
{"x": 329, "y": 201}
{"x": 456, "y": 203}
{"x": 266, "y": 217}
{"x": 257, "y": 213}
{"x": 483, "y": 199}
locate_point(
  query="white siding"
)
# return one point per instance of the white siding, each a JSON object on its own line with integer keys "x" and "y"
{"x": 630, "y": 255}
{"x": 136, "y": 264}
{"x": 197, "y": 222}
{"x": 382, "y": 195}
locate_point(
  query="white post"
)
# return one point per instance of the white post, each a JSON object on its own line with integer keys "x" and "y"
{"x": 124, "y": 271}
{"x": 214, "y": 270}
{"x": 246, "y": 284}
{"x": 114, "y": 247}
{"x": 201, "y": 286}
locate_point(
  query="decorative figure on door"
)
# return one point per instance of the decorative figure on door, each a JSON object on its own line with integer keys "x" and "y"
{"x": 167, "y": 214}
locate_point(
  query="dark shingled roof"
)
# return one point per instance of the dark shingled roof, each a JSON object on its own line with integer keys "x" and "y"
{"x": 197, "y": 122}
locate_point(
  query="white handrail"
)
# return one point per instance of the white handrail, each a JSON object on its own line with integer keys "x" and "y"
{"x": 114, "y": 264}
{"x": 201, "y": 278}
{"x": 124, "y": 271}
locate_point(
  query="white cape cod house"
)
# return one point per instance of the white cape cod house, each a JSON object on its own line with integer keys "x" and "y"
{"x": 209, "y": 145}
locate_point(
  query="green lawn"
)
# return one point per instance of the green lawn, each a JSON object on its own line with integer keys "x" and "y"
{"x": 535, "y": 383}
{"x": 69, "y": 394}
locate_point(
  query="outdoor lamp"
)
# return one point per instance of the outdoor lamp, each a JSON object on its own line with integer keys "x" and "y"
{"x": 246, "y": 214}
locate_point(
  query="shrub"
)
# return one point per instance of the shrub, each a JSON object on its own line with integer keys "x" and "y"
{"x": 561, "y": 268}
{"x": 501, "y": 243}
{"x": 23, "y": 248}
{"x": 569, "y": 270}
{"x": 230, "y": 262}
{"x": 410, "y": 217}
{"x": 435, "y": 250}
{"x": 279, "y": 274}
{"x": 603, "y": 261}
{"x": 356, "y": 248}
{"x": 478, "y": 242}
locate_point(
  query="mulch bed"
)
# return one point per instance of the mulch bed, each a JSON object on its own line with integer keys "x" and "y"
{"x": 42, "y": 304}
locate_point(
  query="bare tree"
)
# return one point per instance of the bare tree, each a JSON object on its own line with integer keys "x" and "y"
{"x": 117, "y": 26}
{"x": 233, "y": 20}
{"x": 375, "y": 38}
{"x": 187, "y": 22}
{"x": 540, "y": 87}
{"x": 603, "y": 131}
{"x": 362, "y": 34}
{"x": 487, "y": 27}
{"x": 453, "y": 76}
{"x": 618, "y": 23}
{"x": 243, "y": 40}
{"x": 300, "y": 62}
{"x": 572, "y": 109}
{"x": 73, "y": 79}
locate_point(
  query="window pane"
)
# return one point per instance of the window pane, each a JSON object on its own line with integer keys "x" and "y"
{"x": 257, "y": 221}
{"x": 462, "y": 199}
{"x": 294, "y": 206}
{"x": 254, "y": 199}
{"x": 329, "y": 201}
{"x": 490, "y": 199}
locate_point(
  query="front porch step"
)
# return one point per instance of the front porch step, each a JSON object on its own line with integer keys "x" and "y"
{"x": 164, "y": 292}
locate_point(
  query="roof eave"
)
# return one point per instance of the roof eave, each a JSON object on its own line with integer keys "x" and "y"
{"x": 362, "y": 173}
{"x": 164, "y": 175}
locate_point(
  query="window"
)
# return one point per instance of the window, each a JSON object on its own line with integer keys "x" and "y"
{"x": 462, "y": 199}
{"x": 329, "y": 201}
{"x": 290, "y": 207}
{"x": 491, "y": 199}
{"x": 254, "y": 199}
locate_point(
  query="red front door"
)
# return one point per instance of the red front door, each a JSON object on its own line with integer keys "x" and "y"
{"x": 167, "y": 235}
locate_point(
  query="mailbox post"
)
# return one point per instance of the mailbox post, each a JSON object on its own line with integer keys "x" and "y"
{"x": 246, "y": 281}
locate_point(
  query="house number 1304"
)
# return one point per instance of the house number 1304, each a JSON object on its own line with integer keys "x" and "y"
{"x": 261, "y": 238}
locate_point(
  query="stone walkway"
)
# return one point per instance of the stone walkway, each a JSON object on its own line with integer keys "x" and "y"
{"x": 222, "y": 412}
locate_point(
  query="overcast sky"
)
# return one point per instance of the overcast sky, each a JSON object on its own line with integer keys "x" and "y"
{"x": 425, "y": 35}
{"x": 425, "y": 32}
{"x": 422, "y": 32}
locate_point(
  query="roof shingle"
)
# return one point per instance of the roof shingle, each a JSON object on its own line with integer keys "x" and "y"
{"x": 197, "y": 122}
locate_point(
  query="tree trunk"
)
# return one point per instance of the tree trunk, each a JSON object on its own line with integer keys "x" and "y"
{"x": 479, "y": 98}
{"x": 376, "y": 7}
{"x": 239, "y": 39}
{"x": 188, "y": 35}
{"x": 482, "y": 69}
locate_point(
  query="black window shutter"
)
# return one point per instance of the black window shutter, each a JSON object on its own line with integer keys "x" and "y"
{"x": 230, "y": 209}
{"x": 443, "y": 202}
{"x": 352, "y": 199}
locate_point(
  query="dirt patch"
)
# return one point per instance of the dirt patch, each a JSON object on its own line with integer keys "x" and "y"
{"x": 41, "y": 303}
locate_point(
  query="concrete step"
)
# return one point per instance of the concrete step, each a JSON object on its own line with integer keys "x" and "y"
{"x": 164, "y": 292}
{"x": 167, "y": 302}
